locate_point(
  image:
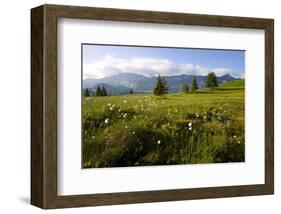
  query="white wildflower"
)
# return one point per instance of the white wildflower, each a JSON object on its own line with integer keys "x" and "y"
{"x": 125, "y": 115}
{"x": 190, "y": 128}
{"x": 190, "y": 124}
{"x": 106, "y": 121}
{"x": 111, "y": 108}
{"x": 159, "y": 141}
{"x": 109, "y": 104}
{"x": 134, "y": 132}
{"x": 238, "y": 142}
{"x": 234, "y": 136}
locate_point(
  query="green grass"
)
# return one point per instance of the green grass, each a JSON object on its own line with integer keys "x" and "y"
{"x": 143, "y": 129}
{"x": 240, "y": 84}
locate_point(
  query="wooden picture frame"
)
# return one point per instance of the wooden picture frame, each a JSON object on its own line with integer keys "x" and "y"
{"x": 44, "y": 106}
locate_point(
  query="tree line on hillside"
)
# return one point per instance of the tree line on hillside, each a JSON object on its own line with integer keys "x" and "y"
{"x": 162, "y": 87}
{"x": 100, "y": 92}
{"x": 194, "y": 86}
{"x": 211, "y": 82}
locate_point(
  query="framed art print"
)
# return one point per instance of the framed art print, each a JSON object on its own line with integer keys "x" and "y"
{"x": 140, "y": 106}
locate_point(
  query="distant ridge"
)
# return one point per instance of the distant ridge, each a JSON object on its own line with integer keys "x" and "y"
{"x": 122, "y": 83}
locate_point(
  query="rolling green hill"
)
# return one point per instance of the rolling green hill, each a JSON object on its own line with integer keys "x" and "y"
{"x": 233, "y": 84}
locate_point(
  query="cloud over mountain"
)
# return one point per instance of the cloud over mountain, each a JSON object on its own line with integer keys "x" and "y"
{"x": 148, "y": 67}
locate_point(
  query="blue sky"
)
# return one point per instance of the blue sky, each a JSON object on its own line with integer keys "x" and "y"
{"x": 106, "y": 60}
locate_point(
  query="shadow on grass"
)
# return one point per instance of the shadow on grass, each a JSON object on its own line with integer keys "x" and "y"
{"x": 225, "y": 89}
{"x": 203, "y": 92}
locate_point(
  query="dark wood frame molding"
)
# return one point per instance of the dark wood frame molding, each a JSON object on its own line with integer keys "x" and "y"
{"x": 44, "y": 106}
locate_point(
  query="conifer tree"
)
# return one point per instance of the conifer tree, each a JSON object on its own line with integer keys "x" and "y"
{"x": 194, "y": 85}
{"x": 211, "y": 81}
{"x": 103, "y": 91}
{"x": 87, "y": 93}
{"x": 98, "y": 91}
{"x": 185, "y": 88}
{"x": 161, "y": 86}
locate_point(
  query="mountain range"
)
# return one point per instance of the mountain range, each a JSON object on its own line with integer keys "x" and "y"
{"x": 122, "y": 83}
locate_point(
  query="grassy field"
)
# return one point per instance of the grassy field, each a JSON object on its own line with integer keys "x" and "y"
{"x": 235, "y": 84}
{"x": 143, "y": 129}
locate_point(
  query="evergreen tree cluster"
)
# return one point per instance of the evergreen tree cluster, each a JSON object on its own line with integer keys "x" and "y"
{"x": 100, "y": 92}
{"x": 194, "y": 86}
{"x": 161, "y": 87}
{"x": 87, "y": 93}
{"x": 211, "y": 81}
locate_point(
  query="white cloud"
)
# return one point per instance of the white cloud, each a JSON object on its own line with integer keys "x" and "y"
{"x": 222, "y": 71}
{"x": 110, "y": 66}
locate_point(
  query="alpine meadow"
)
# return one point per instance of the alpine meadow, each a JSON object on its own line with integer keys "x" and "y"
{"x": 147, "y": 106}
